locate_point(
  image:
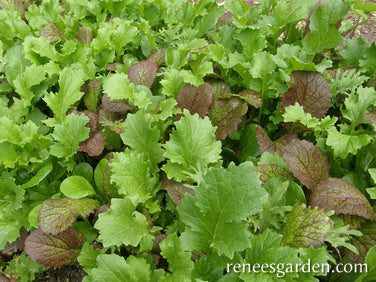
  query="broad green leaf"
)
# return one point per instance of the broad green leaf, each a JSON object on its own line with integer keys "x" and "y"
{"x": 131, "y": 172}
{"x": 358, "y": 104}
{"x": 353, "y": 51}
{"x": 68, "y": 136}
{"x": 267, "y": 248}
{"x": 363, "y": 243}
{"x": 248, "y": 145}
{"x": 306, "y": 227}
{"x": 323, "y": 33}
{"x": 214, "y": 215}
{"x": 370, "y": 259}
{"x": 33, "y": 216}
{"x": 76, "y": 187}
{"x": 226, "y": 114}
{"x": 42, "y": 173}
{"x": 33, "y": 75}
{"x": 88, "y": 257}
{"x": 102, "y": 178}
{"x": 179, "y": 261}
{"x": 118, "y": 86}
{"x": 319, "y": 255}
{"x": 85, "y": 170}
{"x": 122, "y": 224}
{"x": 307, "y": 162}
{"x": 192, "y": 148}
{"x": 343, "y": 144}
{"x": 54, "y": 250}
{"x": 342, "y": 197}
{"x": 91, "y": 97}
{"x": 11, "y": 195}
{"x": 70, "y": 82}
{"x": 57, "y": 215}
{"x": 115, "y": 268}
{"x": 141, "y": 136}
{"x": 195, "y": 99}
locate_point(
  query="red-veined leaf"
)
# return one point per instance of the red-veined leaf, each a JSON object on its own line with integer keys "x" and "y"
{"x": 143, "y": 73}
{"x": 195, "y": 99}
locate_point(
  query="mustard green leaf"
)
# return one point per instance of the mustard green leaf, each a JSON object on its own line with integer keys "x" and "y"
{"x": 192, "y": 147}
{"x": 214, "y": 216}
{"x": 70, "y": 82}
{"x": 342, "y": 197}
{"x": 306, "y": 226}
{"x": 57, "y": 215}
{"x": 122, "y": 224}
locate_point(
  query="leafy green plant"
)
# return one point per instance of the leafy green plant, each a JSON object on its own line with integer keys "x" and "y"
{"x": 164, "y": 140}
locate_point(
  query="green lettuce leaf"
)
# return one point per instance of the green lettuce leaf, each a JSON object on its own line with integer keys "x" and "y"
{"x": 131, "y": 173}
{"x": 215, "y": 215}
{"x": 179, "y": 262}
{"x": 141, "y": 136}
{"x": 68, "y": 136}
{"x": 70, "y": 82}
{"x": 192, "y": 148}
{"x": 122, "y": 224}
{"x": 115, "y": 268}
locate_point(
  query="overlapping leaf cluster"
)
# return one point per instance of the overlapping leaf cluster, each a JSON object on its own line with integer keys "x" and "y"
{"x": 162, "y": 140}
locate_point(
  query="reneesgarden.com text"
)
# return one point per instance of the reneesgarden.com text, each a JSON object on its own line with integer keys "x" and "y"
{"x": 281, "y": 269}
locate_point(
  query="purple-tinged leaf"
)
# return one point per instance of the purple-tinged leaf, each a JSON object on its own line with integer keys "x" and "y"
{"x": 91, "y": 98}
{"x": 342, "y": 197}
{"x": 363, "y": 243}
{"x": 306, "y": 227}
{"x": 84, "y": 35}
{"x": 220, "y": 88}
{"x": 143, "y": 73}
{"x": 226, "y": 114}
{"x": 269, "y": 171}
{"x": 112, "y": 66}
{"x": 283, "y": 141}
{"x": 93, "y": 146}
{"x": 16, "y": 5}
{"x": 195, "y": 99}
{"x": 93, "y": 122}
{"x": 176, "y": 190}
{"x": 267, "y": 145}
{"x": 57, "y": 215}
{"x": 157, "y": 57}
{"x": 354, "y": 221}
{"x": 371, "y": 117}
{"x": 106, "y": 115}
{"x": 307, "y": 162}
{"x": 54, "y": 250}
{"x": 16, "y": 246}
{"x": 116, "y": 105}
{"x": 51, "y": 32}
{"x": 311, "y": 90}
{"x": 252, "y": 97}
